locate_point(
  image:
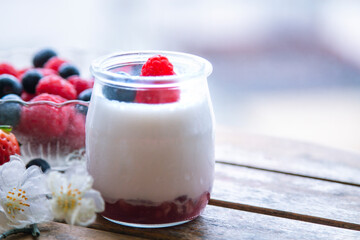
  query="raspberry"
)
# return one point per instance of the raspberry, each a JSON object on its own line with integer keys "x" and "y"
{"x": 157, "y": 95}
{"x": 43, "y": 71}
{"x": 74, "y": 136}
{"x": 157, "y": 66}
{"x": 80, "y": 84}
{"x": 27, "y": 96}
{"x": 44, "y": 121}
{"x": 46, "y": 71}
{"x": 54, "y": 84}
{"x": 54, "y": 63}
{"x": 6, "y": 68}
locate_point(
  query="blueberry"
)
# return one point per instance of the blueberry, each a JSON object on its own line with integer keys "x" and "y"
{"x": 119, "y": 94}
{"x": 85, "y": 95}
{"x": 11, "y": 97}
{"x": 66, "y": 70}
{"x": 10, "y": 111}
{"x": 81, "y": 108}
{"x": 44, "y": 165}
{"x": 136, "y": 70}
{"x": 42, "y": 57}
{"x": 9, "y": 84}
{"x": 30, "y": 80}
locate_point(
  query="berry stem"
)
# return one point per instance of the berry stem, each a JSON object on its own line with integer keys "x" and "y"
{"x": 6, "y": 128}
{"x": 33, "y": 229}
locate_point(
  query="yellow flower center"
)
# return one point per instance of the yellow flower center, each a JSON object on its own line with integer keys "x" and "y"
{"x": 68, "y": 199}
{"x": 16, "y": 202}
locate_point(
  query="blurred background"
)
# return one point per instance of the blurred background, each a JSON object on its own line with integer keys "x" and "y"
{"x": 282, "y": 68}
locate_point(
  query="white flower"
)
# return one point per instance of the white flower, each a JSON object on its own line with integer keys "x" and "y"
{"x": 73, "y": 200}
{"x": 23, "y": 193}
{"x": 4, "y": 222}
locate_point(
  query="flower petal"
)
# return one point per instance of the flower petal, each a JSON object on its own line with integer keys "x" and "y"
{"x": 79, "y": 178}
{"x": 4, "y": 226}
{"x": 40, "y": 210}
{"x": 57, "y": 211}
{"x": 10, "y": 173}
{"x": 55, "y": 181}
{"x": 86, "y": 213}
{"x": 34, "y": 182}
{"x": 96, "y": 197}
{"x": 27, "y": 187}
{"x": 74, "y": 186}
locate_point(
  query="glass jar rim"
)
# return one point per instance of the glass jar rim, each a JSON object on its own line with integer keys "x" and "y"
{"x": 100, "y": 67}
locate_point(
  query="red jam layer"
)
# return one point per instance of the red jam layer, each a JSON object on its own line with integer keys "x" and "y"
{"x": 145, "y": 212}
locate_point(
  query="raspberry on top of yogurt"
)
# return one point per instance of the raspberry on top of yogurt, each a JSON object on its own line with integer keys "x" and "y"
{"x": 157, "y": 65}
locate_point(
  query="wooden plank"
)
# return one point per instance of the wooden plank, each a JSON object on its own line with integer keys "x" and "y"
{"x": 292, "y": 194}
{"x": 284, "y": 214}
{"x": 61, "y": 231}
{"x": 223, "y": 223}
{"x": 287, "y": 156}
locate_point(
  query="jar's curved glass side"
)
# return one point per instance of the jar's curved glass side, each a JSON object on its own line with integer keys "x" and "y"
{"x": 153, "y": 163}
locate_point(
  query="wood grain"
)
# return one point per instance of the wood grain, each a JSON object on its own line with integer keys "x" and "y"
{"x": 60, "y": 231}
{"x": 287, "y": 193}
{"x": 288, "y": 173}
{"x": 284, "y": 214}
{"x": 287, "y": 156}
{"x": 223, "y": 223}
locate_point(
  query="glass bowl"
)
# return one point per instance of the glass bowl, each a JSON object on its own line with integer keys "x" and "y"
{"x": 52, "y": 131}
{"x": 38, "y": 139}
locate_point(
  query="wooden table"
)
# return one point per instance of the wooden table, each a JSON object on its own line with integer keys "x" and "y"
{"x": 265, "y": 188}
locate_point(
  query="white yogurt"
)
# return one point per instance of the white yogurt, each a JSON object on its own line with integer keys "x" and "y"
{"x": 150, "y": 152}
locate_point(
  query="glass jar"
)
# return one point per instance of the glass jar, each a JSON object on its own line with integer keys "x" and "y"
{"x": 150, "y": 140}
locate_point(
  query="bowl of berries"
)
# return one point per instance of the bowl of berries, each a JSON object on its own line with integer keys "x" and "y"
{"x": 45, "y": 103}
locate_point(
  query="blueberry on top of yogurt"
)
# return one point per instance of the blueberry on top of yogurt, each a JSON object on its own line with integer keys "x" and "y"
{"x": 119, "y": 94}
